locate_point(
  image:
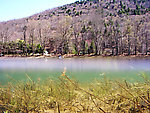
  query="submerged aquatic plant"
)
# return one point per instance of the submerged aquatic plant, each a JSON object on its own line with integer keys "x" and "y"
{"x": 67, "y": 95}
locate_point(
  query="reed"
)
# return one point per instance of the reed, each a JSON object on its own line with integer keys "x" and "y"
{"x": 65, "y": 95}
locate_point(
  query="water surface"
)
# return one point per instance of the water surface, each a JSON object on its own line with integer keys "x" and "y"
{"x": 82, "y": 69}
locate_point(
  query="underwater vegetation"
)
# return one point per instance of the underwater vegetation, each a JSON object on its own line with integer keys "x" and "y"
{"x": 66, "y": 95}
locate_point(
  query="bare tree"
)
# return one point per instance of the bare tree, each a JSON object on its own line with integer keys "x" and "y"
{"x": 128, "y": 35}
{"x": 116, "y": 36}
{"x": 5, "y": 34}
{"x": 136, "y": 35}
{"x": 64, "y": 32}
{"x": 97, "y": 25}
{"x": 76, "y": 33}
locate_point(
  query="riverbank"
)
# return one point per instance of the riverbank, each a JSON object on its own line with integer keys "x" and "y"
{"x": 79, "y": 56}
{"x": 65, "y": 95}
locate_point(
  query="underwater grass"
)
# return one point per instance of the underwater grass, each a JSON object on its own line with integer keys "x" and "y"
{"x": 65, "y": 95}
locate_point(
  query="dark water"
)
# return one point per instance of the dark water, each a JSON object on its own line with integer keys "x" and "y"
{"x": 82, "y": 69}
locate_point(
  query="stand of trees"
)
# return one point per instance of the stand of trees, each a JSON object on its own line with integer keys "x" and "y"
{"x": 94, "y": 35}
{"x": 20, "y": 48}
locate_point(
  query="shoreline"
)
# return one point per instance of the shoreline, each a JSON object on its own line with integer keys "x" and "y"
{"x": 66, "y": 56}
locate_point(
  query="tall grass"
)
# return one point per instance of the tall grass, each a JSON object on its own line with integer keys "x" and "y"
{"x": 68, "y": 96}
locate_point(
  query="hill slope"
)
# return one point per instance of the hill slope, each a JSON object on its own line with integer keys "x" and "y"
{"x": 85, "y": 27}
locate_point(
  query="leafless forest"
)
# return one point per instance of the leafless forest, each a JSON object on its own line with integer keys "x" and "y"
{"x": 93, "y": 27}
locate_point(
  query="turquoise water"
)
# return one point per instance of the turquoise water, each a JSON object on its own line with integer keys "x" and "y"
{"x": 81, "y": 69}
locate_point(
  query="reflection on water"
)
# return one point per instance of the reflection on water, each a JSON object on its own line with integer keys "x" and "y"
{"x": 82, "y": 69}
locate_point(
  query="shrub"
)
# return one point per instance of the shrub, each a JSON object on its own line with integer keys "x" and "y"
{"x": 120, "y": 12}
{"x": 50, "y": 15}
{"x": 85, "y": 2}
{"x": 53, "y": 13}
{"x": 142, "y": 7}
{"x": 74, "y": 9}
{"x": 68, "y": 11}
{"x": 77, "y": 14}
{"x": 114, "y": 1}
{"x": 81, "y": 12}
{"x": 77, "y": 2}
{"x": 143, "y": 1}
{"x": 124, "y": 7}
{"x": 128, "y": 10}
{"x": 81, "y": 2}
{"x": 64, "y": 8}
{"x": 121, "y": 4}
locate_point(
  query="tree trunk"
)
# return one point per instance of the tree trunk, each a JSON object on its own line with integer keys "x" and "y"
{"x": 146, "y": 43}
{"x": 76, "y": 43}
{"x": 116, "y": 47}
{"x": 25, "y": 41}
{"x": 129, "y": 46}
{"x": 32, "y": 40}
{"x": 135, "y": 46}
{"x": 83, "y": 45}
{"x": 96, "y": 47}
{"x": 40, "y": 36}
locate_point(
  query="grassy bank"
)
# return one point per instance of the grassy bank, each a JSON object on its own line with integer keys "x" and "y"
{"x": 68, "y": 96}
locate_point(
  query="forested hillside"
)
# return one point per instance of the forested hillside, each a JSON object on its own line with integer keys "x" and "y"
{"x": 93, "y": 27}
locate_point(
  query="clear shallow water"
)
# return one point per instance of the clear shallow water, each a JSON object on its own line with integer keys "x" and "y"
{"x": 82, "y": 69}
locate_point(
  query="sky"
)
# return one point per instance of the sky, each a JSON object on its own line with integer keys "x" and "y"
{"x": 15, "y": 9}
